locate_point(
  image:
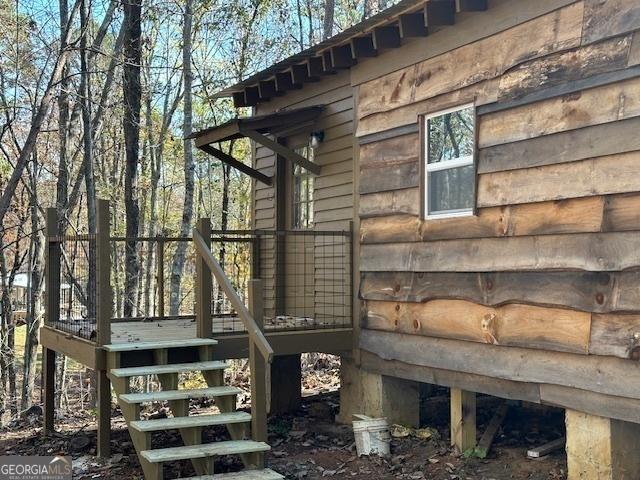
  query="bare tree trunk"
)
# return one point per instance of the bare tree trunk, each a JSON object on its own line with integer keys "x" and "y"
{"x": 371, "y": 7}
{"x": 7, "y": 338}
{"x": 38, "y": 119}
{"x": 132, "y": 99}
{"x": 189, "y": 166}
{"x": 62, "y": 185}
{"x": 87, "y": 141}
{"x": 34, "y": 304}
{"x": 327, "y": 25}
{"x": 301, "y": 33}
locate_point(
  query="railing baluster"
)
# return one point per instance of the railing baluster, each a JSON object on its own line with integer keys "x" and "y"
{"x": 160, "y": 276}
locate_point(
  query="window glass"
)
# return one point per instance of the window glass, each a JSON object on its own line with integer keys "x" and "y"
{"x": 451, "y": 135}
{"x": 449, "y": 189}
{"x": 449, "y": 169}
{"x": 302, "y": 212}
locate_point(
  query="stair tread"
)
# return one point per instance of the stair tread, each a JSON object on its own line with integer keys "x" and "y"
{"x": 171, "y": 368}
{"x": 266, "y": 474}
{"x": 188, "y": 422}
{"x": 130, "y": 346}
{"x": 231, "y": 447}
{"x": 185, "y": 394}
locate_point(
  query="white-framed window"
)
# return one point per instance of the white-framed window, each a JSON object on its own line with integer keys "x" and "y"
{"x": 449, "y": 170}
{"x": 302, "y": 212}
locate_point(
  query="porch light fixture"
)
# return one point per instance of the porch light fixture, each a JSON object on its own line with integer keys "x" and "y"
{"x": 315, "y": 139}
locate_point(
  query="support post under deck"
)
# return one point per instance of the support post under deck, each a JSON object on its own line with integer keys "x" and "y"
{"x": 103, "y": 323}
{"x": 601, "y": 448}
{"x": 463, "y": 419}
{"x": 49, "y": 386}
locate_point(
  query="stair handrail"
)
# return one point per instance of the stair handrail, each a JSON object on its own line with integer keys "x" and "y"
{"x": 254, "y": 331}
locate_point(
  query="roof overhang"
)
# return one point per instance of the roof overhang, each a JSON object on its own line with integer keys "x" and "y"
{"x": 278, "y": 124}
{"x": 388, "y": 29}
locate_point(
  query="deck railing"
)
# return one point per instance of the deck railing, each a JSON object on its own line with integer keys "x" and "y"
{"x": 260, "y": 351}
{"x": 306, "y": 278}
{"x": 77, "y": 284}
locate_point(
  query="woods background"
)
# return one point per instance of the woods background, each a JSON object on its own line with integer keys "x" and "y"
{"x": 96, "y": 97}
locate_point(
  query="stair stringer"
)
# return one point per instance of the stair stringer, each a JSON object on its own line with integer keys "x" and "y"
{"x": 141, "y": 440}
{"x": 227, "y": 405}
{"x": 180, "y": 408}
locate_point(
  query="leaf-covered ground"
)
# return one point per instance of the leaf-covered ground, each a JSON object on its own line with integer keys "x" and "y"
{"x": 309, "y": 444}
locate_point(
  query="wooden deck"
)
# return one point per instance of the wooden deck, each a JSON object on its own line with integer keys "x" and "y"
{"x": 287, "y": 335}
{"x": 142, "y": 330}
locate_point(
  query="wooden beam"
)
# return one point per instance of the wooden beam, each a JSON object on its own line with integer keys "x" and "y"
{"x": 282, "y": 150}
{"x": 103, "y": 388}
{"x": 387, "y": 36}
{"x": 621, "y": 408}
{"x": 217, "y": 134}
{"x": 413, "y": 25}
{"x": 252, "y": 96}
{"x": 507, "y": 389}
{"x": 472, "y": 5}
{"x": 463, "y": 419}
{"x": 484, "y": 445}
{"x": 595, "y": 373}
{"x": 284, "y": 82}
{"x": 440, "y": 12}
{"x": 239, "y": 99}
{"x": 341, "y": 57}
{"x": 49, "y": 387}
{"x": 547, "y": 448}
{"x": 333, "y": 341}
{"x": 327, "y": 62}
{"x": 315, "y": 67}
{"x": 362, "y": 47}
{"x": 300, "y": 74}
{"x": 81, "y": 350}
{"x": 267, "y": 89}
{"x": 225, "y": 157}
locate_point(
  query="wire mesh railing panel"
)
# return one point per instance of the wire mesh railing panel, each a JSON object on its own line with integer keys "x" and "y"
{"x": 234, "y": 253}
{"x": 77, "y": 286}
{"x": 307, "y": 276}
{"x": 159, "y": 283}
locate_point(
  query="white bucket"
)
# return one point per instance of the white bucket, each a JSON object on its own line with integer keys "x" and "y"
{"x": 372, "y": 435}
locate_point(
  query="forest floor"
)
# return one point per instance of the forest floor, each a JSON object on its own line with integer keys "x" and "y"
{"x": 310, "y": 445}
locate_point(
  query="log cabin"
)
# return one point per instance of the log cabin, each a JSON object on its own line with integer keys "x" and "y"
{"x": 486, "y": 155}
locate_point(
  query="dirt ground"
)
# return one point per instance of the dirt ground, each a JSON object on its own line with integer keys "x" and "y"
{"x": 310, "y": 445}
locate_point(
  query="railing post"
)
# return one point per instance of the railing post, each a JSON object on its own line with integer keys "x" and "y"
{"x": 104, "y": 312}
{"x": 260, "y": 394}
{"x": 160, "y": 276}
{"x": 52, "y": 288}
{"x": 52, "y": 284}
{"x": 103, "y": 285}
{"x": 204, "y": 285}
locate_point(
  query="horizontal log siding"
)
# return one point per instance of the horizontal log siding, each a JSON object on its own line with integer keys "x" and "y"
{"x": 547, "y": 273}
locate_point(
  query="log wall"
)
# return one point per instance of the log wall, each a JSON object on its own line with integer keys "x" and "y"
{"x": 547, "y": 274}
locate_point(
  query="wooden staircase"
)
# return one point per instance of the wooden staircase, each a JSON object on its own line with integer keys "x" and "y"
{"x": 166, "y": 360}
